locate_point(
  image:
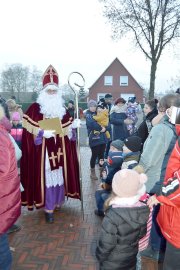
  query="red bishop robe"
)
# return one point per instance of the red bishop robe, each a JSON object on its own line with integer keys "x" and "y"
{"x": 61, "y": 152}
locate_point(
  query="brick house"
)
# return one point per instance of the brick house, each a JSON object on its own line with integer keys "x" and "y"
{"x": 117, "y": 81}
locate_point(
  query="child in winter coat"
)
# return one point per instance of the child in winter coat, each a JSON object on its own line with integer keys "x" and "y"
{"x": 131, "y": 152}
{"x": 125, "y": 222}
{"x": 102, "y": 116}
{"x": 113, "y": 164}
{"x": 13, "y": 107}
{"x": 132, "y": 109}
{"x": 109, "y": 168}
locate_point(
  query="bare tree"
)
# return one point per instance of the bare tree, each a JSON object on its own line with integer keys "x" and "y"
{"x": 14, "y": 79}
{"x": 175, "y": 83}
{"x": 35, "y": 79}
{"x": 17, "y": 78}
{"x": 67, "y": 92}
{"x": 153, "y": 23}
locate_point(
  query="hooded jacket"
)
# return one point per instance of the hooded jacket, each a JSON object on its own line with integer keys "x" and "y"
{"x": 155, "y": 149}
{"x": 168, "y": 217}
{"x": 122, "y": 228}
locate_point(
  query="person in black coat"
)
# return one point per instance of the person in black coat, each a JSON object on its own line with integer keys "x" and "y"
{"x": 125, "y": 222}
{"x": 150, "y": 111}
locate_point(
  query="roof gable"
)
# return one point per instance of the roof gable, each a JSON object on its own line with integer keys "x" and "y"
{"x": 116, "y": 63}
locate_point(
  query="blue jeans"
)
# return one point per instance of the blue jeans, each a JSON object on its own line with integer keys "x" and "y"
{"x": 157, "y": 240}
{"x": 5, "y": 253}
{"x": 101, "y": 196}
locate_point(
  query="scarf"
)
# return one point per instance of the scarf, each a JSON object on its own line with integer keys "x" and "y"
{"x": 118, "y": 109}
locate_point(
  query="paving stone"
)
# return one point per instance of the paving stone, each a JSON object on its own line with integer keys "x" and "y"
{"x": 70, "y": 242}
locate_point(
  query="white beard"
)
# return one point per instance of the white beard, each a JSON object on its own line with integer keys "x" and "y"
{"x": 51, "y": 106}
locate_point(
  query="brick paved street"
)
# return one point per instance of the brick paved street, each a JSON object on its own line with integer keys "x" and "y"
{"x": 69, "y": 243}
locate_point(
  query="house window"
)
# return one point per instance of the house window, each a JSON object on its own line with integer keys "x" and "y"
{"x": 123, "y": 80}
{"x": 108, "y": 80}
{"x": 100, "y": 95}
{"x": 127, "y": 96}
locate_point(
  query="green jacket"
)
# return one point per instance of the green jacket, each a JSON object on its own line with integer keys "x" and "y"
{"x": 154, "y": 150}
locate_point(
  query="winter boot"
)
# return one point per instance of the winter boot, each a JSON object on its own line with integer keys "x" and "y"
{"x": 93, "y": 174}
{"x": 49, "y": 217}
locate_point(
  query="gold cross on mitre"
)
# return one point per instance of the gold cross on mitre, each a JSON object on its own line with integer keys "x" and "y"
{"x": 53, "y": 157}
{"x": 59, "y": 154}
{"x": 51, "y": 73}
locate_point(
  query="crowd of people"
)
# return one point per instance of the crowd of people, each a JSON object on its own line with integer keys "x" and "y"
{"x": 148, "y": 150}
{"x": 137, "y": 165}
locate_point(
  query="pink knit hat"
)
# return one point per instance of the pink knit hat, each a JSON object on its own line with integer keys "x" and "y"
{"x": 16, "y": 116}
{"x": 127, "y": 183}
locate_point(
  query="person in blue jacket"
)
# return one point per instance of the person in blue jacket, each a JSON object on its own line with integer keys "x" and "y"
{"x": 118, "y": 120}
{"x": 97, "y": 137}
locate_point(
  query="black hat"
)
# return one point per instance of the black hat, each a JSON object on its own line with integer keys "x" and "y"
{"x": 132, "y": 99}
{"x": 102, "y": 104}
{"x": 71, "y": 101}
{"x": 118, "y": 144}
{"x": 133, "y": 143}
{"x": 108, "y": 96}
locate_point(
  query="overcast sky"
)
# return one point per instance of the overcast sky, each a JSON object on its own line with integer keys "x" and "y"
{"x": 72, "y": 35}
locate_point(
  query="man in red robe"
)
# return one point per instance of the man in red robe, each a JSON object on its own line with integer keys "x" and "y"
{"x": 49, "y": 163}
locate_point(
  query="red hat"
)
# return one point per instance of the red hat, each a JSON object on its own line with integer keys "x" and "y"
{"x": 119, "y": 100}
{"x": 50, "y": 76}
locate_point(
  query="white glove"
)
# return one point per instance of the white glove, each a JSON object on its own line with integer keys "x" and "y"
{"x": 76, "y": 123}
{"x": 49, "y": 133}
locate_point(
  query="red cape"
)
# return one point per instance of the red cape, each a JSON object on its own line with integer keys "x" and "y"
{"x": 33, "y": 160}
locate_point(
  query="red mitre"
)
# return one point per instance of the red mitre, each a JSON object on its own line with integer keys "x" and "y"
{"x": 50, "y": 76}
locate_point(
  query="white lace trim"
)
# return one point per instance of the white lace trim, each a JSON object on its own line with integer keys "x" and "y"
{"x": 70, "y": 132}
{"x": 53, "y": 178}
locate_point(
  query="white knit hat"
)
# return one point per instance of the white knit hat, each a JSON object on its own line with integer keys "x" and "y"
{"x": 127, "y": 183}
